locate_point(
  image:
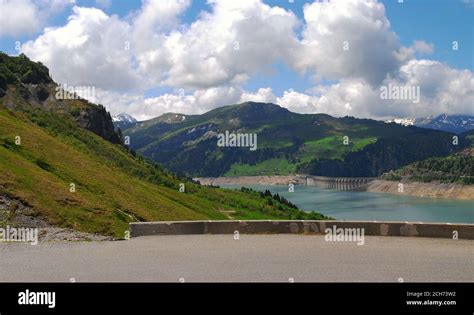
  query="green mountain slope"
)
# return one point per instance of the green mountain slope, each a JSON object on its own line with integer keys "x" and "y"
{"x": 46, "y": 146}
{"x": 456, "y": 168}
{"x": 388, "y": 154}
{"x": 287, "y": 143}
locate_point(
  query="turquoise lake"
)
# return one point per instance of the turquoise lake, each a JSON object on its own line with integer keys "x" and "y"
{"x": 353, "y": 205}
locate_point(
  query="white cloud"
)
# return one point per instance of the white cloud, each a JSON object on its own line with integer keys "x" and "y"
{"x": 224, "y": 46}
{"x": 422, "y": 47}
{"x": 213, "y": 56}
{"x": 442, "y": 89}
{"x": 348, "y": 97}
{"x": 157, "y": 16}
{"x": 89, "y": 50}
{"x": 198, "y": 102}
{"x": 263, "y": 95}
{"x": 345, "y": 39}
{"x": 20, "y": 17}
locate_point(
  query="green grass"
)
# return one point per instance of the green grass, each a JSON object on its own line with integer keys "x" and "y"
{"x": 332, "y": 147}
{"x": 267, "y": 167}
{"x": 329, "y": 147}
{"x": 112, "y": 187}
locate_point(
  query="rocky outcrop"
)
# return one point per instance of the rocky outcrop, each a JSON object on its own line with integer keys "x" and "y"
{"x": 27, "y": 84}
{"x": 98, "y": 120}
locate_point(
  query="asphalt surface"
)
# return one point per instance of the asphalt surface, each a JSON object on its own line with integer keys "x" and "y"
{"x": 253, "y": 258}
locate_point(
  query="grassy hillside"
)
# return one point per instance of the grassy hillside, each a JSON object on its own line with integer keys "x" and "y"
{"x": 112, "y": 187}
{"x": 287, "y": 143}
{"x": 44, "y": 149}
{"x": 388, "y": 154}
{"x": 458, "y": 168}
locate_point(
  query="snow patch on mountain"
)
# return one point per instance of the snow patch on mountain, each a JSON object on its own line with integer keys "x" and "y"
{"x": 402, "y": 121}
{"x": 445, "y": 122}
{"x": 123, "y": 117}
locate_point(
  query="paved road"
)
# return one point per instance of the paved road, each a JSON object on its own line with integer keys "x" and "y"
{"x": 252, "y": 258}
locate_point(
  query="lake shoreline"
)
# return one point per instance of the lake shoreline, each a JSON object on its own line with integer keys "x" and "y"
{"x": 430, "y": 190}
{"x": 271, "y": 180}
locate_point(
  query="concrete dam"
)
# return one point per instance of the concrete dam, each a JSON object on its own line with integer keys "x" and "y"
{"x": 339, "y": 183}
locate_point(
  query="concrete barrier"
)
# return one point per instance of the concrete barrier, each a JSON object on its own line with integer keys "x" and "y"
{"x": 380, "y": 228}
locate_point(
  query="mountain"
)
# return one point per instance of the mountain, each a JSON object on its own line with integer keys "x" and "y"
{"x": 123, "y": 120}
{"x": 457, "y": 168}
{"x": 389, "y": 153}
{"x": 287, "y": 143}
{"x": 451, "y": 123}
{"x": 62, "y": 159}
{"x": 27, "y": 86}
{"x": 123, "y": 117}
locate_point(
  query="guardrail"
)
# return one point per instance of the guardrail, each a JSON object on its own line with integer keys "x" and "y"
{"x": 377, "y": 228}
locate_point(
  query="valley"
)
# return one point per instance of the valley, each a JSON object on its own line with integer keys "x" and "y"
{"x": 418, "y": 189}
{"x": 64, "y": 161}
{"x": 446, "y": 204}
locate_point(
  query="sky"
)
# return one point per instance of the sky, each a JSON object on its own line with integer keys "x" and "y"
{"x": 150, "y": 57}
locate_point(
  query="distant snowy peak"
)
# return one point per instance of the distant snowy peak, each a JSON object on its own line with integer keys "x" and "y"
{"x": 451, "y": 123}
{"x": 445, "y": 122}
{"x": 124, "y": 118}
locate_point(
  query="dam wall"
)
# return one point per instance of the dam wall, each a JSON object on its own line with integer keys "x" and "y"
{"x": 339, "y": 183}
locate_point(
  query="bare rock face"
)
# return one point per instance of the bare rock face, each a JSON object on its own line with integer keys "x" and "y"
{"x": 98, "y": 120}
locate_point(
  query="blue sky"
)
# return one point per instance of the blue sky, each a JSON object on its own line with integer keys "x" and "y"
{"x": 435, "y": 22}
